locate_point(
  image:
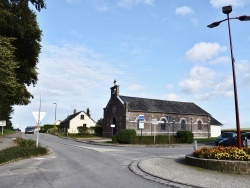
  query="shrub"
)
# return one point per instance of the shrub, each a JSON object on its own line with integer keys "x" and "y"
{"x": 114, "y": 139}
{"x": 25, "y": 143}
{"x": 185, "y": 136}
{"x": 126, "y": 136}
{"x": 14, "y": 153}
{"x": 83, "y": 130}
{"x": 223, "y": 153}
{"x": 98, "y": 130}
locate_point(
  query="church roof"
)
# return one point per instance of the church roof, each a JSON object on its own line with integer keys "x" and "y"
{"x": 162, "y": 106}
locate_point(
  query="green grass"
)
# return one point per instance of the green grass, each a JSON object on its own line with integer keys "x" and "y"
{"x": 17, "y": 153}
{"x": 24, "y": 149}
{"x": 6, "y": 132}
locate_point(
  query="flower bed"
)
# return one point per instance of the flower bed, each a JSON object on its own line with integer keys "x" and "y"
{"x": 223, "y": 153}
{"x": 224, "y": 159}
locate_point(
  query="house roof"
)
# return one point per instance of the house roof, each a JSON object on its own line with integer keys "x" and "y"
{"x": 155, "y": 105}
{"x": 70, "y": 117}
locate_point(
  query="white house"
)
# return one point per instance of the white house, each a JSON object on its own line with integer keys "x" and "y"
{"x": 77, "y": 119}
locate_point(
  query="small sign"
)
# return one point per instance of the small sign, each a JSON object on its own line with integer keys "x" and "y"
{"x": 36, "y": 116}
{"x": 141, "y": 125}
{"x": 141, "y": 117}
{"x": 112, "y": 125}
{"x": 2, "y": 123}
{"x": 154, "y": 121}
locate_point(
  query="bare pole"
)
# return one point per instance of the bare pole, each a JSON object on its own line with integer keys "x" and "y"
{"x": 38, "y": 123}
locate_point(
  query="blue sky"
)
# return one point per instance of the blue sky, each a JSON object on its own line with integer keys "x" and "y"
{"x": 154, "y": 49}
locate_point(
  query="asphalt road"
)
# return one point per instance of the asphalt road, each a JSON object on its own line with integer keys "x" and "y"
{"x": 75, "y": 164}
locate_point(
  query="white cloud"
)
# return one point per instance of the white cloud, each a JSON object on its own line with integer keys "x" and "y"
{"x": 133, "y": 3}
{"x": 136, "y": 87}
{"x": 172, "y": 97}
{"x": 184, "y": 10}
{"x": 203, "y": 51}
{"x": 224, "y": 87}
{"x": 203, "y": 97}
{"x": 221, "y": 60}
{"x": 198, "y": 78}
{"x": 190, "y": 86}
{"x": 246, "y": 80}
{"x": 169, "y": 86}
{"x": 243, "y": 66}
{"x": 72, "y": 74}
{"x": 221, "y": 3}
{"x": 201, "y": 73}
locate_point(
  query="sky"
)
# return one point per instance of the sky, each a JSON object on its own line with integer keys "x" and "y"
{"x": 158, "y": 49}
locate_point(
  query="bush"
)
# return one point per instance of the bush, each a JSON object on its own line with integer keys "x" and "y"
{"x": 83, "y": 130}
{"x": 185, "y": 137}
{"x": 14, "y": 153}
{"x": 114, "y": 139}
{"x": 223, "y": 153}
{"x": 98, "y": 130}
{"x": 25, "y": 143}
{"x": 126, "y": 136}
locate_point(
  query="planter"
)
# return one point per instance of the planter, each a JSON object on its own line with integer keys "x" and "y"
{"x": 236, "y": 167}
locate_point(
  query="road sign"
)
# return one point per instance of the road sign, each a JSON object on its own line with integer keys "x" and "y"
{"x": 36, "y": 115}
{"x": 141, "y": 117}
{"x": 2, "y": 123}
{"x": 141, "y": 125}
{"x": 112, "y": 125}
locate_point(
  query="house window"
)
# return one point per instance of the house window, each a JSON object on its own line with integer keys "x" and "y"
{"x": 82, "y": 116}
{"x": 183, "y": 124}
{"x": 199, "y": 125}
{"x": 84, "y": 125}
{"x": 163, "y": 125}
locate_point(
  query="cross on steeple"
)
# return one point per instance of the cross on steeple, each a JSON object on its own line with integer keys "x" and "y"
{"x": 114, "y": 82}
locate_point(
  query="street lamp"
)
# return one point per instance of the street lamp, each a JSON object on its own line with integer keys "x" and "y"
{"x": 227, "y": 10}
{"x": 55, "y": 111}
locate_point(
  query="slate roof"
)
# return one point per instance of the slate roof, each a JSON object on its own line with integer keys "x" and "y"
{"x": 214, "y": 121}
{"x": 162, "y": 106}
{"x": 70, "y": 117}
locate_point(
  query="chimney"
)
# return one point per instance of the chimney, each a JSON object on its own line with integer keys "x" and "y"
{"x": 74, "y": 111}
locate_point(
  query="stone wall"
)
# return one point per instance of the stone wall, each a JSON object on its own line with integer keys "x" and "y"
{"x": 236, "y": 167}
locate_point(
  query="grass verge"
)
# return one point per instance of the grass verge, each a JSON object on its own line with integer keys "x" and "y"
{"x": 24, "y": 149}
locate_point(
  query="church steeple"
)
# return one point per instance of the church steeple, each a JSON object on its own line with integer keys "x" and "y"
{"x": 115, "y": 89}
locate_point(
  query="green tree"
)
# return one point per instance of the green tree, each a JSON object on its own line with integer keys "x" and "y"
{"x": 99, "y": 122}
{"x": 20, "y": 48}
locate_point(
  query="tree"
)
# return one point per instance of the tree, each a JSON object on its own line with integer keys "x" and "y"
{"x": 20, "y": 48}
{"x": 88, "y": 112}
{"x": 99, "y": 122}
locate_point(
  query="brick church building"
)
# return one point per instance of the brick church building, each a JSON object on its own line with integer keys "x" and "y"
{"x": 122, "y": 112}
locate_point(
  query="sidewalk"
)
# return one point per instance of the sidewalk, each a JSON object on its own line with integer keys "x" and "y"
{"x": 8, "y": 140}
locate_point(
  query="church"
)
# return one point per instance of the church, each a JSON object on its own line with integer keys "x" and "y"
{"x": 153, "y": 116}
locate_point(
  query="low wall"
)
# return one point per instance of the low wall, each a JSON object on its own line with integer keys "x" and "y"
{"x": 236, "y": 167}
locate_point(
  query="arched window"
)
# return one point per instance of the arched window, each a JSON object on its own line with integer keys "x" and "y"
{"x": 199, "y": 125}
{"x": 163, "y": 125}
{"x": 183, "y": 124}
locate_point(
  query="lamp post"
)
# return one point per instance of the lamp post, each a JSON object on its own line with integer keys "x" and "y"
{"x": 227, "y": 10}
